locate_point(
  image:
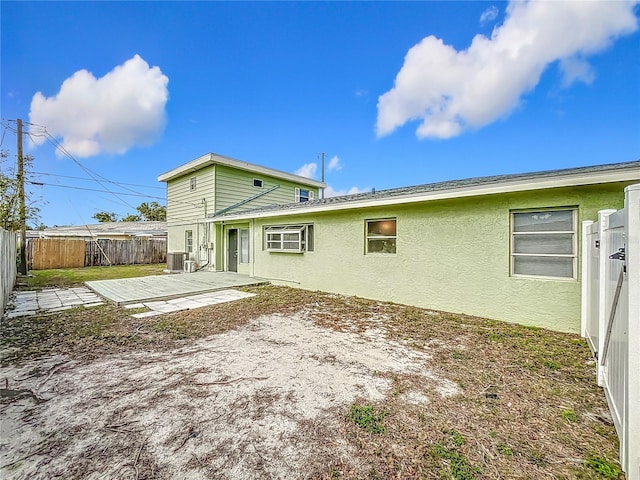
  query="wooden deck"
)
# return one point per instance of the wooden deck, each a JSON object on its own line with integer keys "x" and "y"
{"x": 165, "y": 287}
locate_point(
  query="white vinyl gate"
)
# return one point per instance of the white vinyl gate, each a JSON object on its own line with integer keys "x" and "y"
{"x": 611, "y": 317}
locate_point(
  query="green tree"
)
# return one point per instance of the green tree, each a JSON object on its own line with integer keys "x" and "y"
{"x": 152, "y": 212}
{"x": 131, "y": 218}
{"x": 104, "y": 217}
{"x": 9, "y": 201}
{"x": 148, "y": 212}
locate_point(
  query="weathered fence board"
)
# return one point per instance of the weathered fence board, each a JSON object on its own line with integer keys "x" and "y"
{"x": 126, "y": 252}
{"x": 8, "y": 269}
{"x": 44, "y": 253}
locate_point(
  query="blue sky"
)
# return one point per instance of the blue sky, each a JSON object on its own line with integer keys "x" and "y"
{"x": 394, "y": 93}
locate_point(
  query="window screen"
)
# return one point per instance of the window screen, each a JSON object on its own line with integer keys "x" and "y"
{"x": 543, "y": 243}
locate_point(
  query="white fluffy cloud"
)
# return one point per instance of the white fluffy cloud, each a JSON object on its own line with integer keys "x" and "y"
{"x": 126, "y": 107}
{"x": 489, "y": 15}
{"x": 330, "y": 192}
{"x": 451, "y": 91}
{"x": 308, "y": 170}
{"x": 334, "y": 164}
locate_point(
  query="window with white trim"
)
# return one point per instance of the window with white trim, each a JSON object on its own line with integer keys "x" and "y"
{"x": 289, "y": 238}
{"x": 380, "y": 236}
{"x": 244, "y": 245}
{"x": 188, "y": 241}
{"x": 543, "y": 243}
{"x": 303, "y": 195}
{"x": 192, "y": 183}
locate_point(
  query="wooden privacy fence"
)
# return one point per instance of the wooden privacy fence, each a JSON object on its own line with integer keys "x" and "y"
{"x": 126, "y": 252}
{"x": 8, "y": 266}
{"x": 44, "y": 253}
{"x": 611, "y": 317}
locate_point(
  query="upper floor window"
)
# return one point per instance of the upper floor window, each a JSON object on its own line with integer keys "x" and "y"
{"x": 257, "y": 183}
{"x": 543, "y": 243}
{"x": 192, "y": 183}
{"x": 381, "y": 236}
{"x": 303, "y": 195}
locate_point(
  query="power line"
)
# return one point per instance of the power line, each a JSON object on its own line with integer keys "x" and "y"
{"x": 92, "y": 180}
{"x": 94, "y": 190}
{"x": 44, "y": 133}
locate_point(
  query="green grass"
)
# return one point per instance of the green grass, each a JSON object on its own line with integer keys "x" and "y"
{"x": 569, "y": 415}
{"x": 67, "y": 277}
{"x": 602, "y": 466}
{"x": 453, "y": 460}
{"x": 504, "y": 449}
{"x": 367, "y": 418}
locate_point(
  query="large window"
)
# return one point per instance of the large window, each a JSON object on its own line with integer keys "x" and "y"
{"x": 381, "y": 236}
{"x": 303, "y": 195}
{"x": 188, "y": 241}
{"x": 289, "y": 238}
{"x": 543, "y": 243}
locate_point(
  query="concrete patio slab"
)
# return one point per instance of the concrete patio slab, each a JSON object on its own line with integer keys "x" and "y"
{"x": 159, "y": 307}
{"x": 51, "y": 300}
{"x": 166, "y": 287}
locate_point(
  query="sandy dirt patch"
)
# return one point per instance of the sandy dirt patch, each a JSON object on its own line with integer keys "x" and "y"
{"x": 264, "y": 401}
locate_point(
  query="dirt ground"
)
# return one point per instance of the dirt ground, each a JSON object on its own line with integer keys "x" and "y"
{"x": 281, "y": 396}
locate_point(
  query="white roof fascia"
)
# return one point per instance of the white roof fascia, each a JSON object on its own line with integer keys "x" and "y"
{"x": 212, "y": 159}
{"x": 458, "y": 192}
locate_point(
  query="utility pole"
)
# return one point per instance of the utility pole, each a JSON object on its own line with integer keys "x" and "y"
{"x": 22, "y": 253}
{"x": 322, "y": 173}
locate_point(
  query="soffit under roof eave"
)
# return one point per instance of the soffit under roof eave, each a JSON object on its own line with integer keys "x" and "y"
{"x": 459, "y": 192}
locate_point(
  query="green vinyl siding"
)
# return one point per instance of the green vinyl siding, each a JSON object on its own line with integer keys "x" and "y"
{"x": 234, "y": 186}
{"x": 185, "y": 206}
{"x": 451, "y": 255}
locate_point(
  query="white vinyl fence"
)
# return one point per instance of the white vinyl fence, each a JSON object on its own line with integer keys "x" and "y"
{"x": 8, "y": 269}
{"x": 611, "y": 317}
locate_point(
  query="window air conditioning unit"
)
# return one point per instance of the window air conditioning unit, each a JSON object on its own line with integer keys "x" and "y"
{"x": 175, "y": 261}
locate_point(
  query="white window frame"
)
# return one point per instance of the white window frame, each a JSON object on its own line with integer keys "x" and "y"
{"x": 188, "y": 241}
{"x": 258, "y": 183}
{"x": 275, "y": 241}
{"x": 574, "y": 243}
{"x": 368, "y": 237}
{"x": 304, "y": 198}
{"x": 193, "y": 183}
{"x": 243, "y": 245}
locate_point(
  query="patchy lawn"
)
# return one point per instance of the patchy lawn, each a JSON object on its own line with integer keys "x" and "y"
{"x": 69, "y": 277}
{"x": 298, "y": 384}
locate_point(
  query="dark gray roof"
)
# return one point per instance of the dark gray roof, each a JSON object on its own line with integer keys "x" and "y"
{"x": 441, "y": 186}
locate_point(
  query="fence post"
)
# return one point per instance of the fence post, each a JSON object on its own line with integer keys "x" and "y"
{"x": 632, "y": 251}
{"x": 8, "y": 266}
{"x": 603, "y": 264}
{"x": 586, "y": 276}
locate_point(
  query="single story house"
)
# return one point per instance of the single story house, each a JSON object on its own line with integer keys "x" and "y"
{"x": 503, "y": 247}
{"x": 104, "y": 230}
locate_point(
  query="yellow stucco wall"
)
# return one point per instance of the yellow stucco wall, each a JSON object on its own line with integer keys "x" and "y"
{"x": 452, "y": 255}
